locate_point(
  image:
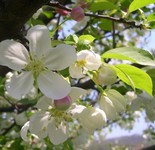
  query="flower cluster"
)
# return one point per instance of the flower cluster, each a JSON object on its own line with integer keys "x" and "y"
{"x": 38, "y": 68}
{"x": 38, "y": 65}
{"x": 51, "y": 121}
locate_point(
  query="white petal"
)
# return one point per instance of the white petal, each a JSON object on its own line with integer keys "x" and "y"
{"x": 44, "y": 103}
{"x": 38, "y": 124}
{"x": 13, "y": 54}
{"x": 76, "y": 93}
{"x": 60, "y": 57}
{"x": 107, "y": 106}
{"x": 93, "y": 61}
{"x": 20, "y": 85}
{"x": 24, "y": 130}
{"x": 75, "y": 109}
{"x": 53, "y": 85}
{"x": 92, "y": 119}
{"x": 39, "y": 40}
{"x": 57, "y": 135}
{"x": 75, "y": 71}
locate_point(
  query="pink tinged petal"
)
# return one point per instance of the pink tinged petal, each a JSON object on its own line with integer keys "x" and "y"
{"x": 20, "y": 85}
{"x": 53, "y": 85}
{"x": 57, "y": 135}
{"x": 76, "y": 72}
{"x": 24, "y": 130}
{"x": 60, "y": 57}
{"x": 13, "y": 54}
{"x": 39, "y": 40}
{"x": 76, "y": 93}
{"x": 38, "y": 124}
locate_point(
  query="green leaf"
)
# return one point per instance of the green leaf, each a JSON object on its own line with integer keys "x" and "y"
{"x": 102, "y": 5}
{"x": 136, "y": 4}
{"x": 134, "y": 55}
{"x": 106, "y": 25}
{"x": 86, "y": 39}
{"x": 134, "y": 77}
{"x": 151, "y": 17}
{"x": 151, "y": 73}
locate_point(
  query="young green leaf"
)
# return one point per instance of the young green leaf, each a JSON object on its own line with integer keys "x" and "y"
{"x": 134, "y": 55}
{"x": 136, "y": 4}
{"x": 134, "y": 77}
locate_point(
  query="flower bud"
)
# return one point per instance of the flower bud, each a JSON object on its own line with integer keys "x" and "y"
{"x": 62, "y": 12}
{"x": 112, "y": 103}
{"x": 105, "y": 76}
{"x": 63, "y": 104}
{"x": 77, "y": 13}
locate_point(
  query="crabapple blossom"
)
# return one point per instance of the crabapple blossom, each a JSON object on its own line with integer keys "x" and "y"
{"x": 50, "y": 121}
{"x": 105, "y": 75}
{"x": 63, "y": 103}
{"x": 54, "y": 123}
{"x": 77, "y": 14}
{"x": 112, "y": 103}
{"x": 38, "y": 65}
{"x": 86, "y": 60}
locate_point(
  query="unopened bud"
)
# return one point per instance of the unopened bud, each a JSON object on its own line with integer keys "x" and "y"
{"x": 105, "y": 76}
{"x": 77, "y": 13}
{"x": 63, "y": 104}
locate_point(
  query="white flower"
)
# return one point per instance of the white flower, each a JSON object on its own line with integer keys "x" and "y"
{"x": 50, "y": 121}
{"x": 38, "y": 64}
{"x": 92, "y": 119}
{"x": 112, "y": 103}
{"x": 86, "y": 60}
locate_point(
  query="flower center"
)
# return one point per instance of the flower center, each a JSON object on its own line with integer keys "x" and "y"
{"x": 81, "y": 63}
{"x": 36, "y": 66}
{"x": 60, "y": 116}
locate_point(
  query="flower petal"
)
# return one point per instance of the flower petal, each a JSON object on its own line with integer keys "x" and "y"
{"x": 38, "y": 124}
{"x": 53, "y": 85}
{"x": 76, "y": 93}
{"x": 19, "y": 85}
{"x": 57, "y": 135}
{"x": 96, "y": 118}
{"x": 44, "y": 103}
{"x": 13, "y": 54}
{"x": 60, "y": 57}
{"x": 76, "y": 72}
{"x": 93, "y": 61}
{"x": 39, "y": 40}
{"x": 75, "y": 110}
{"x": 24, "y": 130}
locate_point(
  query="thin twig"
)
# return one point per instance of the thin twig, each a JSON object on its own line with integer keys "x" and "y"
{"x": 120, "y": 20}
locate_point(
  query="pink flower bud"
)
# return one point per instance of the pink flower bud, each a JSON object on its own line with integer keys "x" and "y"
{"x": 77, "y": 13}
{"x": 62, "y": 12}
{"x": 63, "y": 104}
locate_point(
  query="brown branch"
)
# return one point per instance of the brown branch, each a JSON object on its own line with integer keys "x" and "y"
{"x": 119, "y": 20}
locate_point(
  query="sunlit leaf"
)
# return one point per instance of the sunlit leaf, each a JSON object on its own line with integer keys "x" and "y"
{"x": 134, "y": 55}
{"x": 136, "y": 4}
{"x": 134, "y": 77}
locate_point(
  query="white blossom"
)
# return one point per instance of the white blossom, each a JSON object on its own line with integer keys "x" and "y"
{"x": 112, "y": 103}
{"x": 86, "y": 60}
{"x": 37, "y": 65}
{"x": 49, "y": 121}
